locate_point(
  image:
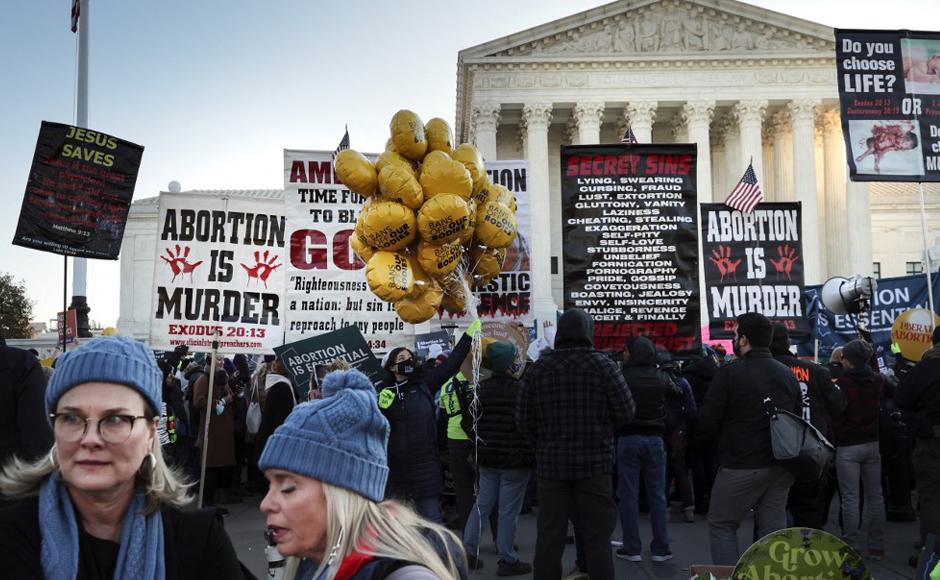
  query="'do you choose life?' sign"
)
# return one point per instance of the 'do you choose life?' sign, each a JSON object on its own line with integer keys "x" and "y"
{"x": 219, "y": 270}
{"x": 753, "y": 263}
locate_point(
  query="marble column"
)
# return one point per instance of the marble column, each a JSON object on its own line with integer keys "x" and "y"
{"x": 734, "y": 169}
{"x": 698, "y": 118}
{"x": 767, "y": 153}
{"x": 821, "y": 192}
{"x": 837, "y": 223}
{"x": 538, "y": 118}
{"x": 589, "y": 117}
{"x": 125, "y": 322}
{"x": 485, "y": 117}
{"x": 783, "y": 157}
{"x": 641, "y": 115}
{"x": 802, "y": 113}
{"x": 750, "y": 124}
{"x": 718, "y": 170}
{"x": 858, "y": 204}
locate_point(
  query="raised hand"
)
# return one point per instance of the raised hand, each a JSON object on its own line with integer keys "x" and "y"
{"x": 263, "y": 267}
{"x": 179, "y": 261}
{"x": 721, "y": 258}
{"x": 786, "y": 259}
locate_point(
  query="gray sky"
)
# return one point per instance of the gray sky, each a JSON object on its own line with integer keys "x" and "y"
{"x": 215, "y": 90}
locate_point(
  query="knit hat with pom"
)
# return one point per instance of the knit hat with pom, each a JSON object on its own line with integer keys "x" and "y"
{"x": 340, "y": 439}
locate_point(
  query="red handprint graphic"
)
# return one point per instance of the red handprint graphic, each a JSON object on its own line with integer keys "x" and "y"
{"x": 263, "y": 267}
{"x": 179, "y": 262}
{"x": 787, "y": 257}
{"x": 721, "y": 258}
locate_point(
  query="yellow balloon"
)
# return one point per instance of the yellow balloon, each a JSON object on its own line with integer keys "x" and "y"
{"x": 422, "y": 279}
{"x": 486, "y": 262}
{"x": 439, "y": 134}
{"x": 392, "y": 158}
{"x": 109, "y": 331}
{"x": 356, "y": 172}
{"x": 408, "y": 135}
{"x": 438, "y": 260}
{"x": 421, "y": 308}
{"x": 398, "y": 184}
{"x": 912, "y": 331}
{"x": 441, "y": 174}
{"x": 468, "y": 233}
{"x": 500, "y": 194}
{"x": 389, "y": 275}
{"x": 387, "y": 225}
{"x": 472, "y": 159}
{"x": 454, "y": 301}
{"x": 496, "y": 225}
{"x": 390, "y": 145}
{"x": 361, "y": 250}
{"x": 443, "y": 218}
{"x": 480, "y": 281}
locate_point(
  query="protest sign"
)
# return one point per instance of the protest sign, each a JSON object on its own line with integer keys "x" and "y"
{"x": 893, "y": 296}
{"x": 302, "y": 357}
{"x": 800, "y": 553}
{"x": 630, "y": 242}
{"x": 67, "y": 325}
{"x": 424, "y": 342}
{"x": 912, "y": 332}
{"x": 78, "y": 193}
{"x": 218, "y": 270}
{"x": 889, "y": 94}
{"x": 326, "y": 286}
{"x": 516, "y": 334}
{"x": 753, "y": 263}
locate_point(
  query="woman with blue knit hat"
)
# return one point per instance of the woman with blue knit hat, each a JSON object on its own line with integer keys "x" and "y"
{"x": 327, "y": 469}
{"x": 107, "y": 502}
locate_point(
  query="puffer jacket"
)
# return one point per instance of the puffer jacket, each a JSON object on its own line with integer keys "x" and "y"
{"x": 414, "y": 464}
{"x": 501, "y": 445}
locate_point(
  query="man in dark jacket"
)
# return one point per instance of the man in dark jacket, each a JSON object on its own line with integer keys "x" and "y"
{"x": 858, "y": 457}
{"x": 823, "y": 401}
{"x": 505, "y": 459}
{"x": 703, "y": 454}
{"x": 736, "y": 410}
{"x": 24, "y": 428}
{"x": 641, "y": 449}
{"x": 919, "y": 395}
{"x": 571, "y": 402}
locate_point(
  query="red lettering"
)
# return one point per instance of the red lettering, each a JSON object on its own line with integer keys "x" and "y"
{"x": 308, "y": 250}
{"x": 321, "y": 172}
{"x": 297, "y": 173}
{"x": 343, "y": 256}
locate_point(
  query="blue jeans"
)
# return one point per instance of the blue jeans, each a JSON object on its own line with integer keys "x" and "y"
{"x": 856, "y": 463}
{"x": 429, "y": 508}
{"x": 507, "y": 485}
{"x": 644, "y": 454}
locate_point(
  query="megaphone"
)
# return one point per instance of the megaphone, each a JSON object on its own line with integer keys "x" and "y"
{"x": 848, "y": 295}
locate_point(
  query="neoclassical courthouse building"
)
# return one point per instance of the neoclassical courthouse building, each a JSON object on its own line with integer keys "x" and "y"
{"x": 738, "y": 80}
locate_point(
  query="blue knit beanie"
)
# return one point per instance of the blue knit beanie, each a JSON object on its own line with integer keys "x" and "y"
{"x": 109, "y": 359}
{"x": 340, "y": 439}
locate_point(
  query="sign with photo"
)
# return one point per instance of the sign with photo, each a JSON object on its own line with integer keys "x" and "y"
{"x": 889, "y": 93}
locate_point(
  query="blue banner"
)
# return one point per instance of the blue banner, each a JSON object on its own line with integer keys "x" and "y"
{"x": 894, "y": 296}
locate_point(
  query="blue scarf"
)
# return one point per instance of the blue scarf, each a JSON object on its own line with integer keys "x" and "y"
{"x": 141, "y": 554}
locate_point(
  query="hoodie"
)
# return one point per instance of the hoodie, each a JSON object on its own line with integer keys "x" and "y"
{"x": 649, "y": 386}
{"x": 571, "y": 402}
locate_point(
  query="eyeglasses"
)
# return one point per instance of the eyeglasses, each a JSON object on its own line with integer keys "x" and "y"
{"x": 113, "y": 429}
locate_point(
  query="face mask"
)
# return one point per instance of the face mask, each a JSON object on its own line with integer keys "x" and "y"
{"x": 407, "y": 368}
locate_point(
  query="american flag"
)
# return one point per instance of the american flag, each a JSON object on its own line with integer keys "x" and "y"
{"x": 747, "y": 193}
{"x": 76, "y": 11}
{"x": 628, "y": 137}
{"x": 343, "y": 144}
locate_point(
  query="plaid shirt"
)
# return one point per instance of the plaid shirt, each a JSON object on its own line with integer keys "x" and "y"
{"x": 570, "y": 404}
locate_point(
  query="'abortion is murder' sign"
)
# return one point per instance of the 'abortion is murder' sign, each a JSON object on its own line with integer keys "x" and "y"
{"x": 630, "y": 242}
{"x": 889, "y": 92}
{"x": 218, "y": 269}
{"x": 78, "y": 192}
{"x": 754, "y": 263}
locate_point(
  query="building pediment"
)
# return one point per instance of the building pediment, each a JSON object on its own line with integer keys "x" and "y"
{"x": 653, "y": 28}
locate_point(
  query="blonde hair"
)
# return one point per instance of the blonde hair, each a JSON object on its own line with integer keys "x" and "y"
{"x": 163, "y": 485}
{"x": 384, "y": 530}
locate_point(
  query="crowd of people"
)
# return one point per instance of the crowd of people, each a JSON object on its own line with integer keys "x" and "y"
{"x": 104, "y": 456}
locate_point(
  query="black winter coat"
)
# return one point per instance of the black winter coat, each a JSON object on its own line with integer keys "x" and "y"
{"x": 195, "y": 544}
{"x": 919, "y": 395}
{"x": 823, "y": 400}
{"x": 649, "y": 386}
{"x": 502, "y": 445}
{"x": 414, "y": 464}
{"x": 735, "y": 412}
{"x": 278, "y": 402}
{"x": 24, "y": 429}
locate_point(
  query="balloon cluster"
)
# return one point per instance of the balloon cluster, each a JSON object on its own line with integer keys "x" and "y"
{"x": 433, "y": 225}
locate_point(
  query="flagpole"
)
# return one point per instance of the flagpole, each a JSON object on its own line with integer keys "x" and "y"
{"x": 79, "y": 265}
{"x": 927, "y": 265}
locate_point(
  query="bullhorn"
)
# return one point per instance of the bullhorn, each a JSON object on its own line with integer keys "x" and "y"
{"x": 848, "y": 295}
